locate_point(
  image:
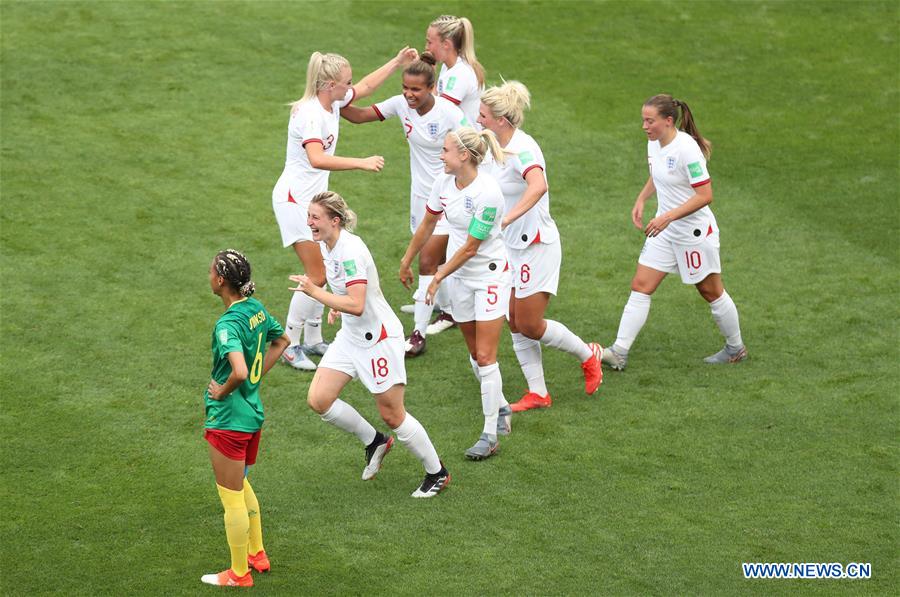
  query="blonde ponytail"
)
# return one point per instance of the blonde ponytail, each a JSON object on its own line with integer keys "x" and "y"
{"x": 322, "y": 69}
{"x": 478, "y": 143}
{"x": 460, "y": 32}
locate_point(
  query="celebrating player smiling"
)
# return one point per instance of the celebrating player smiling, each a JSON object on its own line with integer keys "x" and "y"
{"x": 369, "y": 346}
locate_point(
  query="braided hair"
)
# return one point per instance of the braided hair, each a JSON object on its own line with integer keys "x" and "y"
{"x": 234, "y": 267}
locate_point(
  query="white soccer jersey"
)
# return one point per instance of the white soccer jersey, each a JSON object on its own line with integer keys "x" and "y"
{"x": 677, "y": 169}
{"x": 309, "y": 123}
{"x": 425, "y": 135}
{"x": 523, "y": 155}
{"x": 349, "y": 263}
{"x": 459, "y": 84}
{"x": 479, "y": 208}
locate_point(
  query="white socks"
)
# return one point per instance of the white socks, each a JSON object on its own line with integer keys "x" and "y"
{"x": 474, "y": 365}
{"x": 559, "y": 336}
{"x": 725, "y": 314}
{"x": 422, "y": 315}
{"x": 491, "y": 394}
{"x": 343, "y": 416}
{"x": 634, "y": 316}
{"x": 528, "y": 352}
{"x": 412, "y": 435}
{"x": 442, "y": 299}
{"x": 304, "y": 314}
{"x": 294, "y": 321}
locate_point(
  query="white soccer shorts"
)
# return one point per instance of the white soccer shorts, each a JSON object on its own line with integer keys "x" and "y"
{"x": 535, "y": 268}
{"x": 478, "y": 300}
{"x": 379, "y": 367}
{"x": 693, "y": 262}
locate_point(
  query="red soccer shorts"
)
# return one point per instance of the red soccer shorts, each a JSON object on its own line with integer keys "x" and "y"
{"x": 236, "y": 445}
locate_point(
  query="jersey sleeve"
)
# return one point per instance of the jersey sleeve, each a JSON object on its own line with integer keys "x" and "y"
{"x": 528, "y": 158}
{"x": 460, "y": 84}
{"x": 275, "y": 329}
{"x": 487, "y": 211}
{"x": 227, "y": 339}
{"x": 695, "y": 163}
{"x": 355, "y": 264}
{"x": 307, "y": 128}
{"x": 389, "y": 107}
{"x": 433, "y": 204}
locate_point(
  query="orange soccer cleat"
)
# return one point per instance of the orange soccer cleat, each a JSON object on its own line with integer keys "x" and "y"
{"x": 531, "y": 400}
{"x": 227, "y": 578}
{"x": 259, "y": 562}
{"x": 593, "y": 371}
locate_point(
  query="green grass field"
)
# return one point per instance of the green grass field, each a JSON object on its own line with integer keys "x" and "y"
{"x": 138, "y": 138}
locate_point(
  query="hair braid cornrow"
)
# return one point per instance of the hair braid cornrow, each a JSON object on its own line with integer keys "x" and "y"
{"x": 235, "y": 268}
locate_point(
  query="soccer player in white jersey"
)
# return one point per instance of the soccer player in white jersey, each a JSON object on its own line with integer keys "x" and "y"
{"x": 369, "y": 346}
{"x": 533, "y": 245}
{"x": 475, "y": 271}
{"x": 425, "y": 120}
{"x": 452, "y": 42}
{"x": 311, "y": 143}
{"x": 683, "y": 237}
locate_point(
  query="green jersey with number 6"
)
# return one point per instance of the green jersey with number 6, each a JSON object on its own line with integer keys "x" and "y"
{"x": 245, "y": 327}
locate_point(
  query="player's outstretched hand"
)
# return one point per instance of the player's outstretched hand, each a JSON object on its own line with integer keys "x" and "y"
{"x": 303, "y": 284}
{"x": 406, "y": 276}
{"x": 333, "y": 316}
{"x": 373, "y": 163}
{"x": 407, "y": 56}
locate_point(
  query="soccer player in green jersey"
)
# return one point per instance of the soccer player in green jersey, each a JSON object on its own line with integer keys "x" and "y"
{"x": 234, "y": 413}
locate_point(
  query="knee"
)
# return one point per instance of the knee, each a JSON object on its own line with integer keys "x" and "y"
{"x": 484, "y": 358}
{"x": 428, "y": 264}
{"x": 393, "y": 418}
{"x": 532, "y": 329}
{"x": 642, "y": 286}
{"x": 317, "y": 403}
{"x": 710, "y": 294}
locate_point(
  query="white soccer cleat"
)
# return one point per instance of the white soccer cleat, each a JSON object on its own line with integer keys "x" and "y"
{"x": 442, "y": 322}
{"x": 375, "y": 455}
{"x": 433, "y": 484}
{"x": 613, "y": 358}
{"x": 317, "y": 349}
{"x": 296, "y": 358}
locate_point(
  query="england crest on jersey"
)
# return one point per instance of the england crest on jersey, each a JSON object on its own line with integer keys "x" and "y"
{"x": 470, "y": 204}
{"x": 433, "y": 129}
{"x": 670, "y": 162}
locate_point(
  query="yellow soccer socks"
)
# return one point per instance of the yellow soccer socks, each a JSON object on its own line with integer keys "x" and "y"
{"x": 237, "y": 527}
{"x": 256, "y": 542}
